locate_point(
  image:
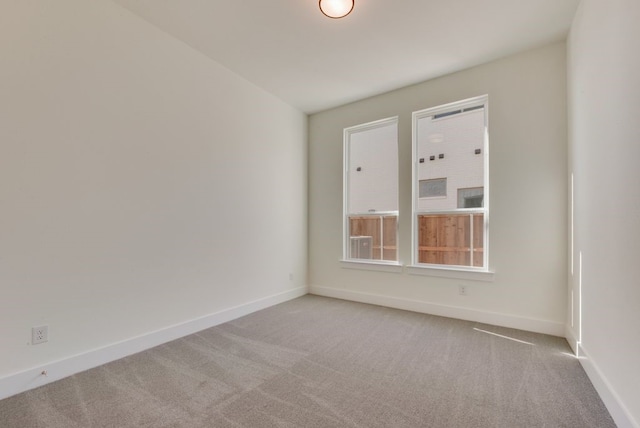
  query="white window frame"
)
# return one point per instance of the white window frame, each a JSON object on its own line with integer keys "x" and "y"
{"x": 346, "y": 238}
{"x": 416, "y": 116}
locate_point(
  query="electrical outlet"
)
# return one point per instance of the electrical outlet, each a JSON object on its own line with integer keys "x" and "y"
{"x": 462, "y": 289}
{"x": 39, "y": 334}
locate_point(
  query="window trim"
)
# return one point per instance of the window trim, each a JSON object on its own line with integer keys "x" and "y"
{"x": 466, "y": 105}
{"x": 347, "y": 132}
{"x": 454, "y": 272}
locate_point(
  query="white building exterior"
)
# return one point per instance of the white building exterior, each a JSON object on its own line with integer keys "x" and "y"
{"x": 450, "y": 147}
{"x": 373, "y": 169}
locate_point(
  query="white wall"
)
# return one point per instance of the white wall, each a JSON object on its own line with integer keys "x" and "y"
{"x": 604, "y": 136}
{"x": 141, "y": 184}
{"x": 528, "y": 185}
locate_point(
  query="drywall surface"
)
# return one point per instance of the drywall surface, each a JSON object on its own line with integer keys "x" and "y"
{"x": 528, "y": 190}
{"x": 604, "y": 131}
{"x": 141, "y": 184}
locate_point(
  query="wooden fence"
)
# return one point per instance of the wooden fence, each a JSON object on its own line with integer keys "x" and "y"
{"x": 451, "y": 239}
{"x": 443, "y": 239}
{"x": 383, "y": 230}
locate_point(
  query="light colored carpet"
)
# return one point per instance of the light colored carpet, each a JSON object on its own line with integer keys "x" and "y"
{"x": 319, "y": 362}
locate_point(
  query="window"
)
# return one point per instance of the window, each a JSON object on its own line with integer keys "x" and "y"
{"x": 471, "y": 198}
{"x": 371, "y": 192}
{"x": 433, "y": 188}
{"x": 450, "y": 176}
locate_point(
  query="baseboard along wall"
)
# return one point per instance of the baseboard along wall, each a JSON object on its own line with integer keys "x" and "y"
{"x": 56, "y": 370}
{"x": 610, "y": 398}
{"x": 503, "y": 320}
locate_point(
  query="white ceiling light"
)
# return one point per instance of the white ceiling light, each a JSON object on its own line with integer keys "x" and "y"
{"x": 336, "y": 8}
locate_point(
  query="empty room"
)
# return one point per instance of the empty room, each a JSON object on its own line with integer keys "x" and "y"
{"x": 319, "y": 213}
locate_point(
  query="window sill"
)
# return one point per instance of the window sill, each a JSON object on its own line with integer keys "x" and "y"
{"x": 443, "y": 272}
{"x": 421, "y": 270}
{"x": 394, "y": 267}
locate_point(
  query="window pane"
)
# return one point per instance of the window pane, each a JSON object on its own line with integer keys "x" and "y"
{"x": 433, "y": 188}
{"x": 373, "y": 170}
{"x": 471, "y": 198}
{"x": 371, "y": 186}
{"x": 450, "y": 200}
{"x": 373, "y": 237}
{"x": 451, "y": 239}
{"x": 450, "y": 147}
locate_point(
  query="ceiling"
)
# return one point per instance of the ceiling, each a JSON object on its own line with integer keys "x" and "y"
{"x": 291, "y": 50}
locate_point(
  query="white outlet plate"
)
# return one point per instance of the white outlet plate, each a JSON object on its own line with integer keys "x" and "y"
{"x": 463, "y": 290}
{"x": 39, "y": 334}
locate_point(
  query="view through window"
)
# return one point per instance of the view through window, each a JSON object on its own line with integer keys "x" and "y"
{"x": 371, "y": 191}
{"x": 450, "y": 185}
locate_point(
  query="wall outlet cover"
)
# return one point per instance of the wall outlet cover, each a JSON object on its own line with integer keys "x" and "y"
{"x": 39, "y": 334}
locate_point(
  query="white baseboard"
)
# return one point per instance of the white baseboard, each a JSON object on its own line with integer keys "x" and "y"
{"x": 510, "y": 321}
{"x": 610, "y": 398}
{"x": 572, "y": 339}
{"x": 56, "y": 370}
{"x": 619, "y": 412}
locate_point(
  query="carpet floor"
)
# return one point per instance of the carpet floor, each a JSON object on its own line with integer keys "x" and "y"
{"x": 320, "y": 362}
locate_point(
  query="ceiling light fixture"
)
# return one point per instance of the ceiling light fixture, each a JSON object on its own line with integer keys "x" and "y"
{"x": 336, "y": 8}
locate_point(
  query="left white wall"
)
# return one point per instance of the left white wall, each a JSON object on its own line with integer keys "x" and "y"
{"x": 142, "y": 185}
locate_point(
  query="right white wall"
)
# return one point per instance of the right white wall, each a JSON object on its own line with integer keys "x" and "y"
{"x": 604, "y": 156}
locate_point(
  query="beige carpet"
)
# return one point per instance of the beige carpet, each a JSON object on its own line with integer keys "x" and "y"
{"x": 319, "y": 362}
